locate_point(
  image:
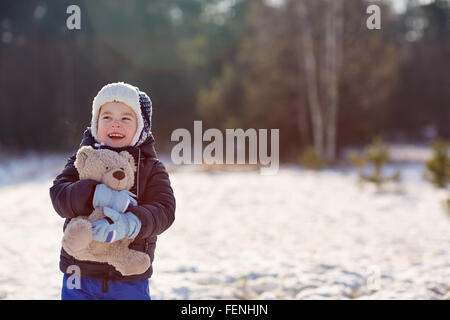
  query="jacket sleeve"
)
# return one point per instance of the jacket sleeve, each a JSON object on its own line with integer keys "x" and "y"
{"x": 72, "y": 197}
{"x": 156, "y": 210}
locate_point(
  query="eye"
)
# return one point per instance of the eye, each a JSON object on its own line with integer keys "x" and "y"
{"x": 122, "y": 169}
{"x": 107, "y": 168}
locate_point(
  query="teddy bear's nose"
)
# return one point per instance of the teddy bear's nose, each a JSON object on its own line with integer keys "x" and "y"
{"x": 119, "y": 174}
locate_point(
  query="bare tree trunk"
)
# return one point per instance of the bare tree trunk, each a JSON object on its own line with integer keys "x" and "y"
{"x": 323, "y": 97}
{"x": 302, "y": 108}
{"x": 302, "y": 123}
{"x": 311, "y": 78}
{"x": 333, "y": 48}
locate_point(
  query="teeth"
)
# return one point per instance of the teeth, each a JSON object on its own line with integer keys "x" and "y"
{"x": 116, "y": 135}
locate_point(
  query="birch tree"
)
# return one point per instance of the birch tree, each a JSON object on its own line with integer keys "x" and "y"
{"x": 311, "y": 76}
{"x": 322, "y": 72}
{"x": 333, "y": 50}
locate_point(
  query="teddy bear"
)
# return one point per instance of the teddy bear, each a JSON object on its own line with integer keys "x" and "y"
{"x": 116, "y": 170}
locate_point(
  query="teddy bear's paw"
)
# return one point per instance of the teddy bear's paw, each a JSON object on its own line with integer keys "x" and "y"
{"x": 77, "y": 236}
{"x": 137, "y": 263}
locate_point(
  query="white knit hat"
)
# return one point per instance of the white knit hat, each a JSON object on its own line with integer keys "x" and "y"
{"x": 119, "y": 92}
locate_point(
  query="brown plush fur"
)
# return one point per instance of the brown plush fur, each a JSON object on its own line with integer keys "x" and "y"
{"x": 100, "y": 165}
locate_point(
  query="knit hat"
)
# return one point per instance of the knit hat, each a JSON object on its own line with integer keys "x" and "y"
{"x": 139, "y": 101}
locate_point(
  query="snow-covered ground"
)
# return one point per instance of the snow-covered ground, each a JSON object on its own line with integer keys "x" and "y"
{"x": 240, "y": 235}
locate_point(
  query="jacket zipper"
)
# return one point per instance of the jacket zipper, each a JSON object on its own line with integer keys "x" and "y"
{"x": 105, "y": 280}
{"x": 105, "y": 286}
{"x": 137, "y": 181}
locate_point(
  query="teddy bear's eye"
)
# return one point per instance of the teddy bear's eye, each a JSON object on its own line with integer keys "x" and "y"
{"x": 107, "y": 168}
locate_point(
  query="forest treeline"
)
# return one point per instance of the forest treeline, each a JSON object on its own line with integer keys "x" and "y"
{"x": 311, "y": 68}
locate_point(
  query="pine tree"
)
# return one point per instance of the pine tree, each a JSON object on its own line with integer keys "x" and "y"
{"x": 438, "y": 167}
{"x": 376, "y": 154}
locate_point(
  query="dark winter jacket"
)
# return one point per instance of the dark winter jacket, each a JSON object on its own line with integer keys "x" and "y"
{"x": 72, "y": 197}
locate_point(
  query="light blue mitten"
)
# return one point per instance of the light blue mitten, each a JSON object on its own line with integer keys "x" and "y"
{"x": 101, "y": 231}
{"x": 117, "y": 200}
{"x": 126, "y": 225}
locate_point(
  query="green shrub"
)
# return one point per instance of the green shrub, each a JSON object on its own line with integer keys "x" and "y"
{"x": 438, "y": 167}
{"x": 447, "y": 205}
{"x": 357, "y": 160}
{"x": 376, "y": 154}
{"x": 311, "y": 159}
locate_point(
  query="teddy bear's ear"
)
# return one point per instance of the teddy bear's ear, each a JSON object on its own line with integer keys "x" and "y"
{"x": 129, "y": 158}
{"x": 82, "y": 154}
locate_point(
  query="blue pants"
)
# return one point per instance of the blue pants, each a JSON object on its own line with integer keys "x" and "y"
{"x": 91, "y": 289}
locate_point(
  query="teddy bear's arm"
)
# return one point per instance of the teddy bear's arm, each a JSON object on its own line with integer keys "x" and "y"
{"x": 70, "y": 196}
{"x": 156, "y": 209}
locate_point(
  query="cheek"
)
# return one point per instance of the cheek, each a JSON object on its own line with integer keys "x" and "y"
{"x": 101, "y": 130}
{"x": 131, "y": 129}
{"x": 130, "y": 132}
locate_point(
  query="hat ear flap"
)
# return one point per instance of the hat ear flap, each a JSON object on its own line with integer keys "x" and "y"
{"x": 129, "y": 158}
{"x": 82, "y": 155}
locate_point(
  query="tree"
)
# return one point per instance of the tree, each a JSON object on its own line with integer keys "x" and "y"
{"x": 323, "y": 110}
{"x": 422, "y": 97}
{"x": 324, "y": 96}
{"x": 438, "y": 166}
{"x": 377, "y": 155}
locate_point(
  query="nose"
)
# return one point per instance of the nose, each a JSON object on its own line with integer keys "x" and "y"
{"x": 119, "y": 175}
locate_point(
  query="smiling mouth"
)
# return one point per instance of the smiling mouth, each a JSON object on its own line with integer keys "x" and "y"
{"x": 116, "y": 136}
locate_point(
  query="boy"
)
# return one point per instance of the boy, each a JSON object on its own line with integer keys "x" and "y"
{"x": 121, "y": 120}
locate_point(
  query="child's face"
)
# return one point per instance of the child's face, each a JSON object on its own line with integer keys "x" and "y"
{"x": 117, "y": 124}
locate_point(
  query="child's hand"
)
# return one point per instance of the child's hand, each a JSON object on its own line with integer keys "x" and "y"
{"x": 126, "y": 225}
{"x": 117, "y": 200}
{"x": 102, "y": 232}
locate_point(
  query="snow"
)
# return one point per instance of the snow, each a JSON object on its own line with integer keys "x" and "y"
{"x": 298, "y": 234}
